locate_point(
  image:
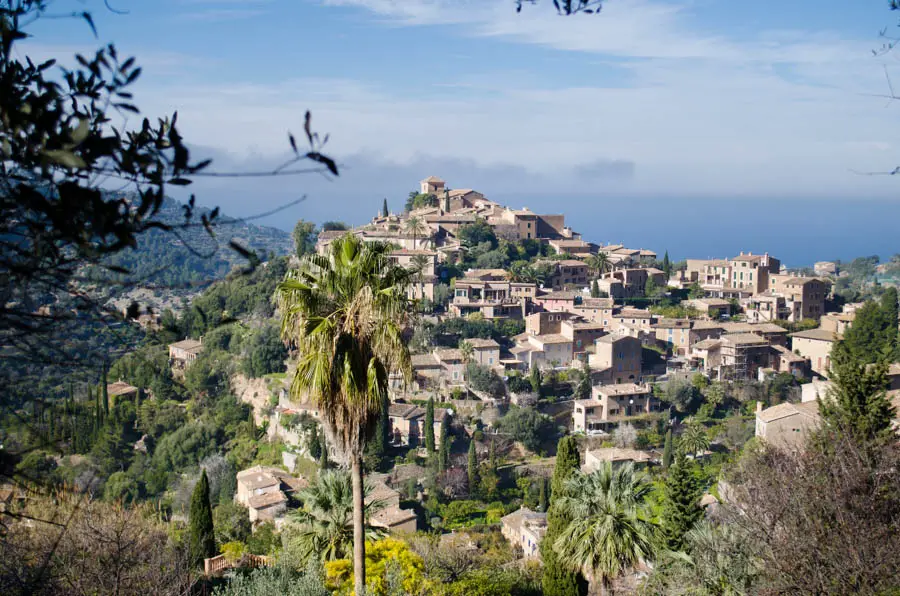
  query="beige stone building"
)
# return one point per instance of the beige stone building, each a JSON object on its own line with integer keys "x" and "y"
{"x": 739, "y": 277}
{"x": 815, "y": 345}
{"x": 485, "y": 352}
{"x": 611, "y": 404}
{"x": 837, "y": 322}
{"x": 568, "y": 273}
{"x": 524, "y": 529}
{"x": 183, "y": 353}
{"x": 804, "y": 297}
{"x": 595, "y": 458}
{"x": 786, "y": 425}
{"x": 493, "y": 299}
{"x": 264, "y": 489}
{"x": 423, "y": 265}
{"x": 616, "y": 359}
{"x": 407, "y": 423}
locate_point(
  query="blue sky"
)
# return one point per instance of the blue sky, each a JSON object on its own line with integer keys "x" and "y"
{"x": 652, "y": 98}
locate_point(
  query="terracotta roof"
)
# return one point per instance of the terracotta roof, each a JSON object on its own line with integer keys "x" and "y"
{"x": 672, "y": 324}
{"x": 596, "y": 303}
{"x": 477, "y": 343}
{"x": 188, "y": 345}
{"x": 256, "y": 478}
{"x": 560, "y": 295}
{"x": 612, "y": 338}
{"x": 432, "y": 179}
{"x": 768, "y": 328}
{"x": 810, "y": 409}
{"x": 707, "y": 344}
{"x": 391, "y": 517}
{"x": 553, "y": 338}
{"x": 743, "y": 339}
{"x": 120, "y": 388}
{"x": 622, "y": 389}
{"x": 424, "y": 361}
{"x": 614, "y": 454}
{"x": 267, "y": 499}
{"x": 448, "y": 354}
{"x": 571, "y": 263}
{"x": 801, "y": 281}
{"x": 819, "y": 334}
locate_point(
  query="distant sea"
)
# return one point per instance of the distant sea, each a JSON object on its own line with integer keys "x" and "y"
{"x": 797, "y": 231}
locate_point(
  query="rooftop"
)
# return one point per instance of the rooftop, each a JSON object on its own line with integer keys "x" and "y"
{"x": 553, "y": 338}
{"x": 188, "y": 345}
{"x": 614, "y": 454}
{"x": 743, "y": 339}
{"x": 267, "y": 499}
{"x": 818, "y": 334}
{"x": 448, "y": 354}
{"x": 477, "y": 342}
{"x": 810, "y": 408}
{"x": 622, "y": 389}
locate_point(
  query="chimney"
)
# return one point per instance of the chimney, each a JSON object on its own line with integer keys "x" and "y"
{"x": 758, "y": 407}
{"x": 201, "y": 340}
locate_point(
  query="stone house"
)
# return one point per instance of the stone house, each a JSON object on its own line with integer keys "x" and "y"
{"x": 524, "y": 529}
{"x": 616, "y": 359}
{"x": 264, "y": 489}
{"x": 815, "y": 345}
{"x": 485, "y": 352}
{"x": 610, "y": 404}
{"x": 184, "y": 352}
{"x": 786, "y": 425}
{"x": 422, "y": 283}
{"x": 407, "y": 423}
{"x": 594, "y": 458}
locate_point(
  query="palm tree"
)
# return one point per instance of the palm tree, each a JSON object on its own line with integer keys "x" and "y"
{"x": 415, "y": 226}
{"x": 344, "y": 312}
{"x": 611, "y": 531}
{"x": 600, "y": 263}
{"x": 325, "y": 523}
{"x": 419, "y": 264}
{"x": 467, "y": 352}
{"x": 694, "y": 438}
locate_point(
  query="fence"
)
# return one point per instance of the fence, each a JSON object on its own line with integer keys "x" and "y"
{"x": 220, "y": 563}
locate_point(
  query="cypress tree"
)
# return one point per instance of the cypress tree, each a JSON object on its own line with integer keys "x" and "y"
{"x": 474, "y": 478}
{"x": 681, "y": 508}
{"x": 492, "y": 456}
{"x": 535, "y": 379}
{"x": 429, "y": 427}
{"x": 105, "y": 392}
{"x": 315, "y": 445}
{"x": 595, "y": 289}
{"x": 667, "y": 450}
{"x": 200, "y": 531}
{"x": 667, "y": 265}
{"x": 444, "y": 455}
{"x": 558, "y": 580}
{"x": 384, "y": 209}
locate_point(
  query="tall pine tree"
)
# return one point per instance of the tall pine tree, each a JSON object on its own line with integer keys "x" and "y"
{"x": 384, "y": 209}
{"x": 474, "y": 477}
{"x": 200, "y": 531}
{"x": 681, "y": 507}
{"x": 667, "y": 450}
{"x": 667, "y": 265}
{"x": 857, "y": 403}
{"x": 558, "y": 580}
{"x": 429, "y": 427}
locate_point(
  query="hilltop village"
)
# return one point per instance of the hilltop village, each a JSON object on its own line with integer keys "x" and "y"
{"x": 527, "y": 331}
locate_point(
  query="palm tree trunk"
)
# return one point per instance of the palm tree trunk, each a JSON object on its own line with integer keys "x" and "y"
{"x": 359, "y": 537}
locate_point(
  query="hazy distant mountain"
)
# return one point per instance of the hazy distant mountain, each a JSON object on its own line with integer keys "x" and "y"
{"x": 186, "y": 260}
